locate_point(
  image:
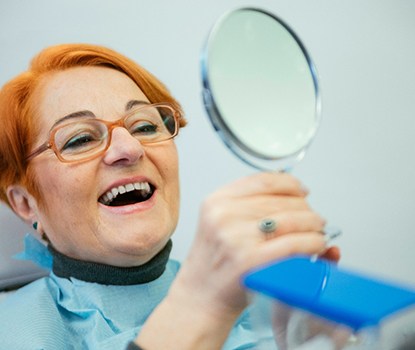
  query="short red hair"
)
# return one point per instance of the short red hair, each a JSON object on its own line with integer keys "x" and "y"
{"x": 17, "y": 105}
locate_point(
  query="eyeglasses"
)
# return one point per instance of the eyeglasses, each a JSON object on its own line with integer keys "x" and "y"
{"x": 89, "y": 137}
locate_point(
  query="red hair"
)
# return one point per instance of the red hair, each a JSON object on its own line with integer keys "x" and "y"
{"x": 17, "y": 104}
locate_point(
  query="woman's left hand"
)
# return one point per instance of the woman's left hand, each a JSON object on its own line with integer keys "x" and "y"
{"x": 207, "y": 296}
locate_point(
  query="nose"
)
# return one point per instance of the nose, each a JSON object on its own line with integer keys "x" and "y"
{"x": 124, "y": 148}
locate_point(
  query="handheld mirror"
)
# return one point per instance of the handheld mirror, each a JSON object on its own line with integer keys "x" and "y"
{"x": 260, "y": 89}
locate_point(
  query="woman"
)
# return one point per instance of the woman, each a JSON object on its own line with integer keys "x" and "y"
{"x": 87, "y": 157}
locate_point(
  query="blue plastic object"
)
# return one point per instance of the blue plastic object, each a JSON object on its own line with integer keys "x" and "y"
{"x": 322, "y": 288}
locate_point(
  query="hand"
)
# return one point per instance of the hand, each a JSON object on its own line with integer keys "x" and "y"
{"x": 229, "y": 243}
{"x": 206, "y": 298}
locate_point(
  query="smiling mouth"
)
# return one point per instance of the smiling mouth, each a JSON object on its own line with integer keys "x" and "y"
{"x": 128, "y": 194}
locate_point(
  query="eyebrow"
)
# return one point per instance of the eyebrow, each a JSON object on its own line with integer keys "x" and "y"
{"x": 74, "y": 115}
{"x": 133, "y": 103}
{"x": 81, "y": 114}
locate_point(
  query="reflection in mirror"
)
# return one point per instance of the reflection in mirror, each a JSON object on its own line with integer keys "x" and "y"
{"x": 260, "y": 89}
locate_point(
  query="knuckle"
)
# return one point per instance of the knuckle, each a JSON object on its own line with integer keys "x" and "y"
{"x": 291, "y": 226}
{"x": 213, "y": 214}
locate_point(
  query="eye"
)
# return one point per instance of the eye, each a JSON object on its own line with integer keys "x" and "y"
{"x": 81, "y": 142}
{"x": 77, "y": 141}
{"x": 143, "y": 128}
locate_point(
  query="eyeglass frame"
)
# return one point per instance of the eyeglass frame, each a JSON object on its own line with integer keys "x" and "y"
{"x": 50, "y": 144}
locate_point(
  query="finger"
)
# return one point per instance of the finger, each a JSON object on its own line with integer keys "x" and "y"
{"x": 272, "y": 204}
{"x": 265, "y": 183}
{"x": 297, "y": 221}
{"x": 216, "y": 212}
{"x": 285, "y": 246}
{"x": 246, "y": 232}
{"x": 261, "y": 206}
{"x": 332, "y": 254}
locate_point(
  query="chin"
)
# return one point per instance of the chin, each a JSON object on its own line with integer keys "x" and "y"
{"x": 142, "y": 246}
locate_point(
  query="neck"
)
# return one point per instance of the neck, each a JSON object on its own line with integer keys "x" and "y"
{"x": 66, "y": 267}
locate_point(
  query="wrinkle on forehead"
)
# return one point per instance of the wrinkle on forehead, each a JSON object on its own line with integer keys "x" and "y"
{"x": 104, "y": 91}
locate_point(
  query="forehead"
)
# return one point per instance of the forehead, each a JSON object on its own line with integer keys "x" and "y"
{"x": 103, "y": 91}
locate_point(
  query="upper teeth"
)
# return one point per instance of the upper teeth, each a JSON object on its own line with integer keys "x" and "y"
{"x": 115, "y": 191}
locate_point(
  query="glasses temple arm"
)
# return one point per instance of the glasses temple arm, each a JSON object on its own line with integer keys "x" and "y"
{"x": 37, "y": 151}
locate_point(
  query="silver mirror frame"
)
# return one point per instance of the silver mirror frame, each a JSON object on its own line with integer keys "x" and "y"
{"x": 243, "y": 152}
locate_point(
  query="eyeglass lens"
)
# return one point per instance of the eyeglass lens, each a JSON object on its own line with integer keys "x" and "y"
{"x": 82, "y": 139}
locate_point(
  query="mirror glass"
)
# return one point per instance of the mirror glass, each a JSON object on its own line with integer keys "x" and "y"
{"x": 260, "y": 88}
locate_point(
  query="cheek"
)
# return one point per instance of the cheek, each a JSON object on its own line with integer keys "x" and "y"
{"x": 48, "y": 179}
{"x": 170, "y": 166}
{"x": 166, "y": 162}
{"x": 164, "y": 158}
{"x": 61, "y": 186}
{"x": 170, "y": 174}
{"x": 173, "y": 174}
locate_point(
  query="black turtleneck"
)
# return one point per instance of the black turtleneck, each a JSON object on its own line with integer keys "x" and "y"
{"x": 66, "y": 267}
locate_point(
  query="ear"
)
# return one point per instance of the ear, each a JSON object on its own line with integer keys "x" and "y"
{"x": 23, "y": 203}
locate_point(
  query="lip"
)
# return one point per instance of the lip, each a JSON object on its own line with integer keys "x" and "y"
{"x": 132, "y": 208}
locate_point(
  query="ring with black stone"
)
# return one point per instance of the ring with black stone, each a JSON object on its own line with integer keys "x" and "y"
{"x": 268, "y": 226}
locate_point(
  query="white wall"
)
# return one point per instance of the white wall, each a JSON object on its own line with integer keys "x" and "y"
{"x": 361, "y": 167}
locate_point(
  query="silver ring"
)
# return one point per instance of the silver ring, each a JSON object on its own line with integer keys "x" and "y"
{"x": 268, "y": 226}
